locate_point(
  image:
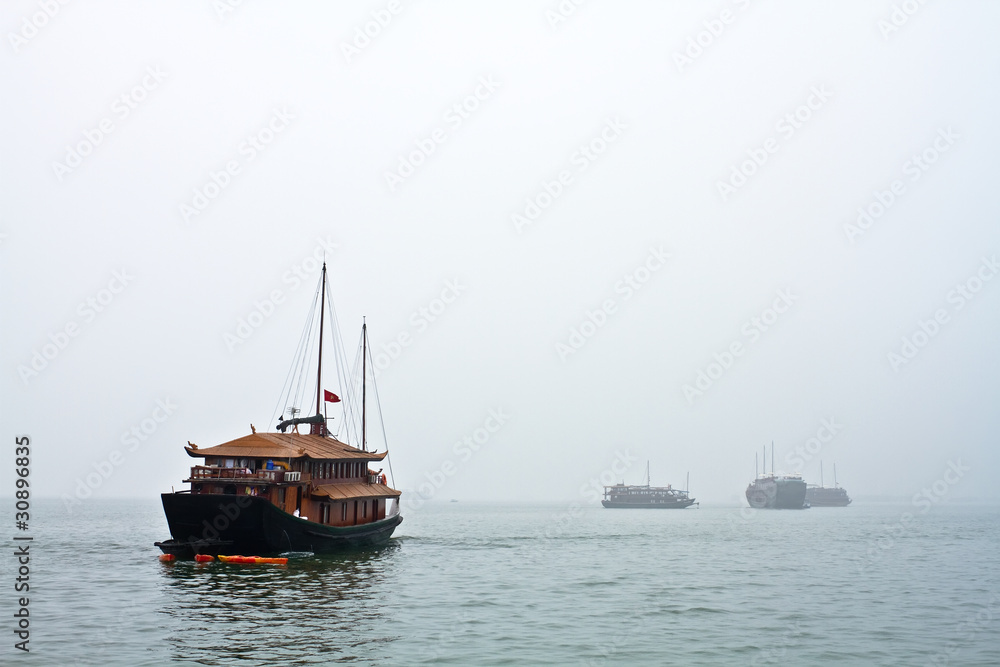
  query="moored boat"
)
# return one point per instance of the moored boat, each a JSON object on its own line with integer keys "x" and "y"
{"x": 771, "y": 490}
{"x": 644, "y": 496}
{"x": 268, "y": 493}
{"x": 827, "y": 496}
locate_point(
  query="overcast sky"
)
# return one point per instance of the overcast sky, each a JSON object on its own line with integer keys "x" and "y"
{"x": 605, "y": 234}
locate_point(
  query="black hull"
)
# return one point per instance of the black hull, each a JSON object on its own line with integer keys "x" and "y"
{"x": 648, "y": 506}
{"x": 780, "y": 494}
{"x": 827, "y": 497}
{"x": 214, "y": 524}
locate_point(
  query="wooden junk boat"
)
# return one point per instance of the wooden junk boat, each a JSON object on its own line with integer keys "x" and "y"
{"x": 644, "y": 496}
{"x": 827, "y": 496}
{"x": 268, "y": 493}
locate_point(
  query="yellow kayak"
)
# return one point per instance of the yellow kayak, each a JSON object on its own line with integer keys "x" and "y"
{"x": 252, "y": 560}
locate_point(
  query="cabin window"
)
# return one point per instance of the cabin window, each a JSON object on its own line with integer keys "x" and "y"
{"x": 281, "y": 496}
{"x": 343, "y": 511}
{"x": 364, "y": 510}
{"x": 229, "y": 463}
{"x": 324, "y": 513}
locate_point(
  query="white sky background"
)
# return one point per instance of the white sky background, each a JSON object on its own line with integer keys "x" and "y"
{"x": 495, "y": 346}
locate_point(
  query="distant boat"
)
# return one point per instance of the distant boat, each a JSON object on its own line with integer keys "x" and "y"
{"x": 268, "y": 493}
{"x": 823, "y": 496}
{"x": 624, "y": 496}
{"x": 778, "y": 491}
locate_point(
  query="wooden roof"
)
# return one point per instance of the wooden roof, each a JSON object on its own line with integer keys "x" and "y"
{"x": 350, "y": 491}
{"x": 284, "y": 446}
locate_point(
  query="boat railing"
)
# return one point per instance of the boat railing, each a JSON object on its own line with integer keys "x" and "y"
{"x": 275, "y": 476}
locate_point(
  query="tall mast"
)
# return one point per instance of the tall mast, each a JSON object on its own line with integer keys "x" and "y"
{"x": 364, "y": 377}
{"x": 319, "y": 369}
{"x": 835, "y": 475}
{"x": 647, "y": 472}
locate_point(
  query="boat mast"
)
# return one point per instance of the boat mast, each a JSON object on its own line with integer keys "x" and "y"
{"x": 835, "y": 475}
{"x": 364, "y": 374}
{"x": 647, "y": 472}
{"x": 319, "y": 366}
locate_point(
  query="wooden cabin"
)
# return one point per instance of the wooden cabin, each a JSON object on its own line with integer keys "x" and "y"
{"x": 310, "y": 476}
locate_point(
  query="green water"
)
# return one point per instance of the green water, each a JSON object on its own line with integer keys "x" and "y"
{"x": 466, "y": 584}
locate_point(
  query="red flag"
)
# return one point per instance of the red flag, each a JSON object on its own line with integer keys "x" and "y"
{"x": 330, "y": 397}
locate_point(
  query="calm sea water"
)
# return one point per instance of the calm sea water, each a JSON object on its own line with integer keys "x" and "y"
{"x": 473, "y": 584}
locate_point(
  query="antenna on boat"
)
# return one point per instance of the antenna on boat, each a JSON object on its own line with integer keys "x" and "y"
{"x": 364, "y": 377}
{"x": 647, "y": 472}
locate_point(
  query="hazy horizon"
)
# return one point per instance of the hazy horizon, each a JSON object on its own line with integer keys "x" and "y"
{"x": 624, "y": 233}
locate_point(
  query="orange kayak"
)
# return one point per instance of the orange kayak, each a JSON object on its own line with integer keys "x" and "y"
{"x": 252, "y": 560}
{"x": 203, "y": 558}
{"x": 167, "y": 558}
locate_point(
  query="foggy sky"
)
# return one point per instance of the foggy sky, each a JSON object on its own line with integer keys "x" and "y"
{"x": 169, "y": 169}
